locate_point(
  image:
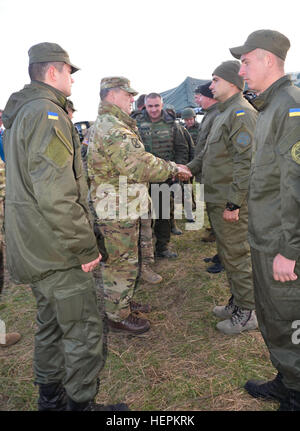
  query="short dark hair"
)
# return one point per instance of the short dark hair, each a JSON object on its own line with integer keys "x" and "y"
{"x": 140, "y": 103}
{"x": 37, "y": 71}
{"x": 152, "y": 96}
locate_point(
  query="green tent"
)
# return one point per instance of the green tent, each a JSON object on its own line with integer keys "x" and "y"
{"x": 183, "y": 96}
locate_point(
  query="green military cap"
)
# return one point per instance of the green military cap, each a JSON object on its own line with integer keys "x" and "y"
{"x": 188, "y": 113}
{"x": 229, "y": 70}
{"x": 48, "y": 52}
{"x": 117, "y": 82}
{"x": 270, "y": 40}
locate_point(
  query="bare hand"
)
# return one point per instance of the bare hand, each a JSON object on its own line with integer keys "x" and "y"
{"x": 283, "y": 269}
{"x": 231, "y": 216}
{"x": 183, "y": 173}
{"x": 88, "y": 267}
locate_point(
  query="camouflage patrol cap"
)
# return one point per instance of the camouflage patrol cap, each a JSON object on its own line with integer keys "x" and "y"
{"x": 117, "y": 82}
{"x": 270, "y": 40}
{"x": 229, "y": 70}
{"x": 47, "y": 52}
{"x": 188, "y": 113}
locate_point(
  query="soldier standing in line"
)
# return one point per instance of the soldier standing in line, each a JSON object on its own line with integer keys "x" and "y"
{"x": 7, "y": 339}
{"x": 274, "y": 208}
{"x": 225, "y": 175}
{"x": 205, "y": 99}
{"x": 50, "y": 243}
{"x": 162, "y": 136}
{"x": 115, "y": 153}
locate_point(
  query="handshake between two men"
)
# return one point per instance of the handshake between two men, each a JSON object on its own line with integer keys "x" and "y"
{"x": 183, "y": 173}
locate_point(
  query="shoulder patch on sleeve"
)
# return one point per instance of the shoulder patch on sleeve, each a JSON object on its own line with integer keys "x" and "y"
{"x": 295, "y": 152}
{"x": 294, "y": 112}
{"x": 243, "y": 138}
{"x": 239, "y": 113}
{"x": 59, "y": 150}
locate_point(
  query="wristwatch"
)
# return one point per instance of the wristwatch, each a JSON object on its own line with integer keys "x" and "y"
{"x": 232, "y": 207}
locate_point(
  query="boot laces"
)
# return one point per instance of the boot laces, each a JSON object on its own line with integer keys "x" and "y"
{"x": 240, "y": 316}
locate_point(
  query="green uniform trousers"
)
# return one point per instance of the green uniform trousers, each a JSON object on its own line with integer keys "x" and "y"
{"x": 120, "y": 271}
{"x": 69, "y": 346}
{"x": 234, "y": 252}
{"x": 277, "y": 307}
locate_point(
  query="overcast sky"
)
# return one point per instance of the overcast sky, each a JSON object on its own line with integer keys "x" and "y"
{"x": 154, "y": 43}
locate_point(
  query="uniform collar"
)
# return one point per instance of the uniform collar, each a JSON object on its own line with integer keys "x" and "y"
{"x": 262, "y": 101}
{"x": 108, "y": 108}
{"x": 222, "y": 106}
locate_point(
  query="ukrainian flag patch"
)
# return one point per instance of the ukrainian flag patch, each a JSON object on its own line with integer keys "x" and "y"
{"x": 240, "y": 113}
{"x": 294, "y": 112}
{"x": 52, "y": 116}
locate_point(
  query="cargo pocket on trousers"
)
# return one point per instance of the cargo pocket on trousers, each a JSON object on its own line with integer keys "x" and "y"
{"x": 70, "y": 309}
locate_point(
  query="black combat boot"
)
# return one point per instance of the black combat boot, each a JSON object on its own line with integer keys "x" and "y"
{"x": 291, "y": 403}
{"x": 52, "y": 397}
{"x": 271, "y": 390}
{"x": 91, "y": 406}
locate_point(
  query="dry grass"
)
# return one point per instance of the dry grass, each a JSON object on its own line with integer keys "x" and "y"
{"x": 183, "y": 363}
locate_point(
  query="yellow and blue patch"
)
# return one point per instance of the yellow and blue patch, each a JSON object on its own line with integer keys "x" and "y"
{"x": 240, "y": 113}
{"x": 294, "y": 112}
{"x": 52, "y": 116}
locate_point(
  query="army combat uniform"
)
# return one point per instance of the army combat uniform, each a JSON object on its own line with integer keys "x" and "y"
{"x": 49, "y": 236}
{"x": 116, "y": 152}
{"x": 2, "y": 197}
{"x": 166, "y": 140}
{"x": 274, "y": 223}
{"x": 225, "y": 175}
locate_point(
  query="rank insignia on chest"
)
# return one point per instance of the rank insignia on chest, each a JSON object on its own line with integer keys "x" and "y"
{"x": 295, "y": 152}
{"x": 294, "y": 112}
{"x": 52, "y": 116}
{"x": 240, "y": 113}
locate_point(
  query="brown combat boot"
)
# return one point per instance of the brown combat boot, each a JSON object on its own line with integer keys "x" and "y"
{"x": 148, "y": 275}
{"x": 209, "y": 238}
{"x": 10, "y": 339}
{"x": 135, "y": 307}
{"x": 131, "y": 325}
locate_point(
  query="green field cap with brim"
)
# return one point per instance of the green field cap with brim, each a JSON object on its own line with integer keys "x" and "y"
{"x": 117, "y": 82}
{"x": 270, "y": 40}
{"x": 47, "y": 52}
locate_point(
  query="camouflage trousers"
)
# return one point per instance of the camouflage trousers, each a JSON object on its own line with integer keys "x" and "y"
{"x": 234, "y": 253}
{"x": 1, "y": 244}
{"x": 145, "y": 242}
{"x": 69, "y": 344}
{"x": 120, "y": 271}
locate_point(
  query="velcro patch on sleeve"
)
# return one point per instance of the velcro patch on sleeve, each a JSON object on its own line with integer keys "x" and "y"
{"x": 295, "y": 152}
{"x": 59, "y": 150}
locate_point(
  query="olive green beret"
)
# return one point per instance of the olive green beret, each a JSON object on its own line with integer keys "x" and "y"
{"x": 48, "y": 52}
{"x": 229, "y": 70}
{"x": 270, "y": 40}
{"x": 117, "y": 82}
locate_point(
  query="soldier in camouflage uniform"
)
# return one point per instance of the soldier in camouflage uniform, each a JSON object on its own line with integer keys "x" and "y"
{"x": 49, "y": 238}
{"x": 7, "y": 339}
{"x": 274, "y": 209}
{"x": 162, "y": 137}
{"x": 116, "y": 154}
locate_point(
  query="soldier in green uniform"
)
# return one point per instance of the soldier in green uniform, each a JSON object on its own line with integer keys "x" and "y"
{"x": 49, "y": 239}
{"x": 225, "y": 175}
{"x": 189, "y": 117}
{"x": 274, "y": 208}
{"x": 205, "y": 99}
{"x": 162, "y": 137}
{"x": 117, "y": 156}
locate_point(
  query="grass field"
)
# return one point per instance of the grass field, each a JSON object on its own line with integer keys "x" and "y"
{"x": 182, "y": 363}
